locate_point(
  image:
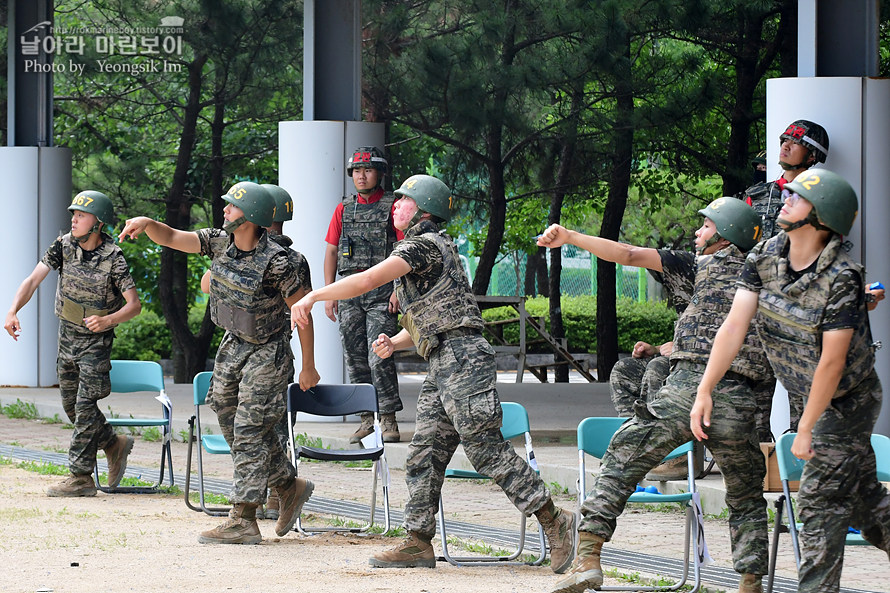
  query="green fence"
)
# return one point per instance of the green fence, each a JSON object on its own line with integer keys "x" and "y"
{"x": 578, "y": 278}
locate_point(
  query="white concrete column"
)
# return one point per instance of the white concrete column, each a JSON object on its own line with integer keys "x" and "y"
{"x": 40, "y": 179}
{"x": 856, "y": 113}
{"x": 312, "y": 168}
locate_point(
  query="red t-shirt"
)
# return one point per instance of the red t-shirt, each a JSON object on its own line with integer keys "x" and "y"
{"x": 335, "y": 229}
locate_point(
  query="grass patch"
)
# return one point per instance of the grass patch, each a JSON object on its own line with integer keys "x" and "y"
{"x": 152, "y": 434}
{"x": 42, "y": 468}
{"x": 54, "y": 420}
{"x": 485, "y": 549}
{"x": 210, "y": 498}
{"x": 20, "y": 409}
{"x": 376, "y": 528}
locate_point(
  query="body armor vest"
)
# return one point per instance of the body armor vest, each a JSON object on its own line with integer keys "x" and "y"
{"x": 367, "y": 237}
{"x": 448, "y": 305}
{"x": 715, "y": 281}
{"x": 238, "y": 303}
{"x": 766, "y": 199}
{"x": 85, "y": 287}
{"x": 790, "y": 317}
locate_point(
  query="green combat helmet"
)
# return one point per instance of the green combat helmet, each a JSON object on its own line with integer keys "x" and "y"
{"x": 257, "y": 204}
{"x": 833, "y": 198}
{"x": 736, "y": 221}
{"x": 284, "y": 205}
{"x": 95, "y": 203}
{"x": 431, "y": 195}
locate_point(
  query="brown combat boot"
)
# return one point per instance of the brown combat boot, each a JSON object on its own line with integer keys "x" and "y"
{"x": 415, "y": 551}
{"x": 74, "y": 485}
{"x": 587, "y": 572}
{"x": 292, "y": 498}
{"x": 364, "y": 429}
{"x": 272, "y": 505}
{"x": 239, "y": 528}
{"x": 116, "y": 455}
{"x": 559, "y": 526}
{"x": 390, "y": 428}
{"x": 751, "y": 583}
{"x": 674, "y": 469}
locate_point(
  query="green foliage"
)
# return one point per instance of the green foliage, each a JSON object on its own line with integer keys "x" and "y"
{"x": 42, "y": 468}
{"x": 651, "y": 322}
{"x": 20, "y": 409}
{"x": 152, "y": 434}
{"x": 146, "y": 336}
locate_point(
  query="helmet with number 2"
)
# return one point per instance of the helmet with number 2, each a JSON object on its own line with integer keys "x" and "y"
{"x": 833, "y": 198}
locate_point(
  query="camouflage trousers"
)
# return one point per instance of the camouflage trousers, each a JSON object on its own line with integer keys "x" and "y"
{"x": 458, "y": 403}
{"x": 83, "y": 367}
{"x": 282, "y": 428}
{"x": 661, "y": 426}
{"x": 839, "y": 488}
{"x": 247, "y": 394}
{"x": 362, "y": 319}
{"x": 635, "y": 379}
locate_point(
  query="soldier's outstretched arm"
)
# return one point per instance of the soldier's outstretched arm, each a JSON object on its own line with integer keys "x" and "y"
{"x": 22, "y": 296}
{"x": 352, "y": 286}
{"x": 613, "y": 251}
{"x": 727, "y": 343}
{"x": 160, "y": 233}
{"x": 384, "y": 346}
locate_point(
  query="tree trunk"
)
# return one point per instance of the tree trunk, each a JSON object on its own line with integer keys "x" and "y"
{"x": 172, "y": 286}
{"x": 616, "y": 202}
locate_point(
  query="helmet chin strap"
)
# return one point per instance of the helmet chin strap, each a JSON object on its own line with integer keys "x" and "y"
{"x": 416, "y": 218}
{"x": 811, "y": 219}
{"x": 95, "y": 229}
{"x": 711, "y": 241}
{"x": 231, "y": 225}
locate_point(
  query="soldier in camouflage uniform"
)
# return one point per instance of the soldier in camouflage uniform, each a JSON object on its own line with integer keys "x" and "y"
{"x": 458, "y": 403}
{"x": 361, "y": 235}
{"x": 252, "y": 282}
{"x": 95, "y": 293}
{"x": 730, "y": 227}
{"x": 809, "y": 300}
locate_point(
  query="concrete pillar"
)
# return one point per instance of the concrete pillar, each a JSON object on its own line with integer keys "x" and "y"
{"x": 42, "y": 181}
{"x": 312, "y": 168}
{"x": 856, "y": 113}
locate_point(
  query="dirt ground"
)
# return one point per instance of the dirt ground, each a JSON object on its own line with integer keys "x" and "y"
{"x": 147, "y": 543}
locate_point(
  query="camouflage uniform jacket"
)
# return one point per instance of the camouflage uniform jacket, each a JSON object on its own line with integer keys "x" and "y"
{"x": 715, "y": 281}
{"x": 241, "y": 301}
{"x": 90, "y": 283}
{"x": 790, "y": 315}
{"x": 446, "y": 304}
{"x": 367, "y": 237}
{"x": 766, "y": 199}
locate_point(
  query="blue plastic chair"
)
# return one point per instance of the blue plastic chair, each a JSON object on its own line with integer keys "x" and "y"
{"x": 791, "y": 469}
{"x": 594, "y": 436}
{"x": 514, "y": 423}
{"x": 214, "y": 444}
{"x": 132, "y": 376}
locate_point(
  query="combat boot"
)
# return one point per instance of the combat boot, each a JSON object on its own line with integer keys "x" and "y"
{"x": 674, "y": 469}
{"x": 390, "y": 428}
{"x": 559, "y": 526}
{"x": 292, "y": 498}
{"x": 239, "y": 528}
{"x": 116, "y": 455}
{"x": 587, "y": 573}
{"x": 75, "y": 485}
{"x": 751, "y": 583}
{"x": 415, "y": 551}
{"x": 364, "y": 429}
{"x": 272, "y": 504}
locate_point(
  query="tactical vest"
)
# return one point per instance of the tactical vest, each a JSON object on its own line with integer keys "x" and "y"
{"x": 790, "y": 318}
{"x": 715, "y": 281}
{"x": 367, "y": 237}
{"x": 766, "y": 199}
{"x": 448, "y": 305}
{"x": 238, "y": 303}
{"x": 85, "y": 288}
